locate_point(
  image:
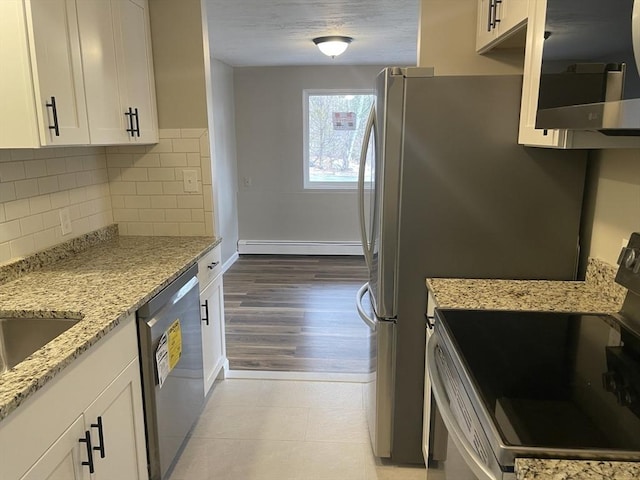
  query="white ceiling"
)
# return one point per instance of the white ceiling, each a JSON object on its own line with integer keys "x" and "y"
{"x": 279, "y": 32}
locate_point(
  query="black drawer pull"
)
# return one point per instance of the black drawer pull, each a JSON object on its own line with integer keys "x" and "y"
{"x": 100, "y": 447}
{"x": 54, "y": 111}
{"x": 212, "y": 265}
{"x": 206, "y": 312}
{"x": 87, "y": 440}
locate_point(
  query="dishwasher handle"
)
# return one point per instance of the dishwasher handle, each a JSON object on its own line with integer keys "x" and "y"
{"x": 372, "y": 323}
{"x": 465, "y": 448}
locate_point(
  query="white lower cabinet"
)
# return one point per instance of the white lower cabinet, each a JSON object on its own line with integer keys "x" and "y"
{"x": 86, "y": 424}
{"x": 63, "y": 460}
{"x": 214, "y": 355}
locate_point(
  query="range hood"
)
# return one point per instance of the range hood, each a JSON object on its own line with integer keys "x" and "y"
{"x": 589, "y": 78}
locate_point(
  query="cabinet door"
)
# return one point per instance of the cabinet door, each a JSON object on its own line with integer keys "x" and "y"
{"x": 107, "y": 122}
{"x": 485, "y": 31}
{"x": 498, "y": 21}
{"x": 136, "y": 72}
{"x": 213, "y": 344}
{"x": 528, "y": 134}
{"x": 57, "y": 71}
{"x": 118, "y": 413}
{"x": 63, "y": 460}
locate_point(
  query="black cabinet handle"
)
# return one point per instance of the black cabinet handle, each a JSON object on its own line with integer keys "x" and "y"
{"x": 129, "y": 115}
{"x": 54, "y": 111}
{"x": 100, "y": 447}
{"x": 206, "y": 312}
{"x": 87, "y": 440}
{"x": 490, "y": 16}
{"x": 212, "y": 265}
{"x": 137, "y": 127}
{"x": 496, "y": 20}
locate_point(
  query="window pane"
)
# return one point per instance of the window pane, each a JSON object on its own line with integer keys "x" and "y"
{"x": 336, "y": 130}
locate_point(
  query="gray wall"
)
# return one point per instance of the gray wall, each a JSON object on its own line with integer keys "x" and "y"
{"x": 225, "y": 187}
{"x": 269, "y": 131}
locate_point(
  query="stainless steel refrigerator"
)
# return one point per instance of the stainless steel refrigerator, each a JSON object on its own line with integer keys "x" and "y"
{"x": 446, "y": 191}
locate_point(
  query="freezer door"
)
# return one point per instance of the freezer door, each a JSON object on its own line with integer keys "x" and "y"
{"x": 379, "y": 388}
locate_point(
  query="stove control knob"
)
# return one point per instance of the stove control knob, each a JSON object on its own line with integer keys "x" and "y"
{"x": 629, "y": 258}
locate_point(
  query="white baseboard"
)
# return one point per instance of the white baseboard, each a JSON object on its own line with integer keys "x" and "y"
{"x": 301, "y": 376}
{"x": 286, "y": 247}
{"x": 227, "y": 265}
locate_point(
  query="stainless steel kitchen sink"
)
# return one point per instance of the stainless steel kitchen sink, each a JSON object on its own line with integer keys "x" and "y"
{"x": 20, "y": 337}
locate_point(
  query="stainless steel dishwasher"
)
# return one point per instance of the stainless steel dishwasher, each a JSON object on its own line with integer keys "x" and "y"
{"x": 170, "y": 340}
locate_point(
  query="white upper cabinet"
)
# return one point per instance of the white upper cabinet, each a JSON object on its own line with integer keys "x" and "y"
{"x": 498, "y": 21}
{"x": 81, "y": 73}
{"x": 43, "y": 99}
{"x": 118, "y": 68}
{"x": 528, "y": 134}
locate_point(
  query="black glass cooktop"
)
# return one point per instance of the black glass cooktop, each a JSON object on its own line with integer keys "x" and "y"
{"x": 553, "y": 379}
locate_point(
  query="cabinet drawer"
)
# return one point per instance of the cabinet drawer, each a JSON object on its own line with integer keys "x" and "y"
{"x": 209, "y": 267}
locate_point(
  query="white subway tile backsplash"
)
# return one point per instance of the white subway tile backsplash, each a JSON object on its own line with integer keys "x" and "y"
{"x": 17, "y": 209}
{"x": 67, "y": 181}
{"x": 26, "y": 188}
{"x": 21, "y": 155}
{"x": 40, "y": 204}
{"x": 149, "y": 188}
{"x": 164, "y": 201}
{"x": 163, "y": 146}
{"x": 48, "y": 185}
{"x": 23, "y": 246}
{"x": 7, "y": 192}
{"x": 55, "y": 166}
{"x": 35, "y": 168}
{"x": 12, "y": 171}
{"x": 140, "y": 187}
{"x": 134, "y": 175}
{"x": 137, "y": 201}
{"x": 31, "y": 224}
{"x": 59, "y": 199}
{"x": 168, "y": 229}
{"x": 9, "y": 230}
{"x": 173, "y": 159}
{"x": 188, "y": 202}
{"x": 36, "y": 184}
{"x": 162, "y": 174}
{"x": 140, "y": 228}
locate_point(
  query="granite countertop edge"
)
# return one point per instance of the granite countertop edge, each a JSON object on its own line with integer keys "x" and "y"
{"x": 66, "y": 281}
{"x": 598, "y": 293}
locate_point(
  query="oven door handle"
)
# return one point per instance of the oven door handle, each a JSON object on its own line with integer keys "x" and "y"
{"x": 467, "y": 452}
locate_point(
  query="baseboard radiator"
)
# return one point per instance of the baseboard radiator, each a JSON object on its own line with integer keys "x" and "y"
{"x": 287, "y": 247}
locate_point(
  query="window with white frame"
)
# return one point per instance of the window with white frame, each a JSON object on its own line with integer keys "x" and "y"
{"x": 335, "y": 121}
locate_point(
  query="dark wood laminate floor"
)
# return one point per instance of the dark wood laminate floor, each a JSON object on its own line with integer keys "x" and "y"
{"x": 296, "y": 313}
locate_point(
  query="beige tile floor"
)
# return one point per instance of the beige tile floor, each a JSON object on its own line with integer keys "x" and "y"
{"x": 284, "y": 430}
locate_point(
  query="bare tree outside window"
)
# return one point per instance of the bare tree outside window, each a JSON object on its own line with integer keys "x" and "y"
{"x": 336, "y": 124}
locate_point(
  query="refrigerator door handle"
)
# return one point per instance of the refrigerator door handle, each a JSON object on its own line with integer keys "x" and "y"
{"x": 371, "y": 323}
{"x": 369, "y": 130}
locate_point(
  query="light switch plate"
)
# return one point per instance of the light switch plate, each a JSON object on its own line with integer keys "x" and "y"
{"x": 190, "y": 178}
{"x": 65, "y": 221}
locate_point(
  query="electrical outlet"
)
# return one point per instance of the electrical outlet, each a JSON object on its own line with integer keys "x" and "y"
{"x": 190, "y": 178}
{"x": 65, "y": 221}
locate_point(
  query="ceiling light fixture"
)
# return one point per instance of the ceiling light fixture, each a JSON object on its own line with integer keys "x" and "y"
{"x": 334, "y": 45}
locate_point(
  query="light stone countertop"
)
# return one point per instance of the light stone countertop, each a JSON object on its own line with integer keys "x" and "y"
{"x": 100, "y": 278}
{"x": 597, "y": 294}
